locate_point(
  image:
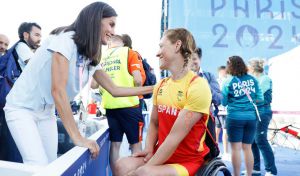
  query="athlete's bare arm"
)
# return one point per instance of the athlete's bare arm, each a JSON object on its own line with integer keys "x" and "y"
{"x": 182, "y": 126}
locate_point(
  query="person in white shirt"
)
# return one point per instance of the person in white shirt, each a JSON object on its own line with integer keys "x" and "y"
{"x": 221, "y": 117}
{"x": 53, "y": 77}
{"x": 30, "y": 38}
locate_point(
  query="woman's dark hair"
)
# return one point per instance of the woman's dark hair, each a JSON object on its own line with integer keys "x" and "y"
{"x": 87, "y": 29}
{"x": 188, "y": 45}
{"x": 127, "y": 40}
{"x": 236, "y": 66}
{"x": 26, "y": 27}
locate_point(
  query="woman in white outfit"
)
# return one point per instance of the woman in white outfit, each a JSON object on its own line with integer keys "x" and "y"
{"x": 52, "y": 78}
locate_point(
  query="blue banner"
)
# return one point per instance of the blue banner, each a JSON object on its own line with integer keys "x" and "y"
{"x": 85, "y": 166}
{"x": 249, "y": 28}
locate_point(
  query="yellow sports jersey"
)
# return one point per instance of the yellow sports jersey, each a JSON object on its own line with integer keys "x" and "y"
{"x": 170, "y": 96}
{"x": 183, "y": 94}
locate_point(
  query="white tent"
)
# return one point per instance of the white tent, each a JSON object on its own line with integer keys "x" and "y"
{"x": 285, "y": 71}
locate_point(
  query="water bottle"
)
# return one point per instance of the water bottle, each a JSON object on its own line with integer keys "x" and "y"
{"x": 82, "y": 120}
{"x": 82, "y": 124}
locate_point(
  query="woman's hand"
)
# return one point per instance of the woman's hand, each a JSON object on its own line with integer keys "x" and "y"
{"x": 106, "y": 82}
{"x": 90, "y": 144}
{"x": 147, "y": 154}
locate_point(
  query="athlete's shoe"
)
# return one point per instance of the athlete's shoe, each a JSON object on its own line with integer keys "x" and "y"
{"x": 254, "y": 172}
{"x": 269, "y": 174}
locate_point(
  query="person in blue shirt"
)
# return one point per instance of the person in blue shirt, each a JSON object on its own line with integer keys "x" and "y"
{"x": 211, "y": 79}
{"x": 4, "y": 43}
{"x": 241, "y": 117}
{"x": 261, "y": 144}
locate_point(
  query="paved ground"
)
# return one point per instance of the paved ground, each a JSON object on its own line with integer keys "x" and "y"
{"x": 287, "y": 162}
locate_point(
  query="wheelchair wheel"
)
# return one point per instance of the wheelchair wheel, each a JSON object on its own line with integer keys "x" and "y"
{"x": 213, "y": 168}
{"x": 221, "y": 169}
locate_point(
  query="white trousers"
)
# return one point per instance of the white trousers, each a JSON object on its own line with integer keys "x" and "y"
{"x": 35, "y": 133}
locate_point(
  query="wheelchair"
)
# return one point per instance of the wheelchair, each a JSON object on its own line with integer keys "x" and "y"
{"x": 214, "y": 167}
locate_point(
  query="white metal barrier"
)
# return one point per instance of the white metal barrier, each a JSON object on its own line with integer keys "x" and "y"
{"x": 76, "y": 162}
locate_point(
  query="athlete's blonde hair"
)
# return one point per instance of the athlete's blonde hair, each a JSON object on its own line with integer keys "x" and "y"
{"x": 188, "y": 45}
{"x": 257, "y": 64}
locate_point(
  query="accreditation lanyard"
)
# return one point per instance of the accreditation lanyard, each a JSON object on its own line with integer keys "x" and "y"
{"x": 83, "y": 64}
{"x": 249, "y": 97}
